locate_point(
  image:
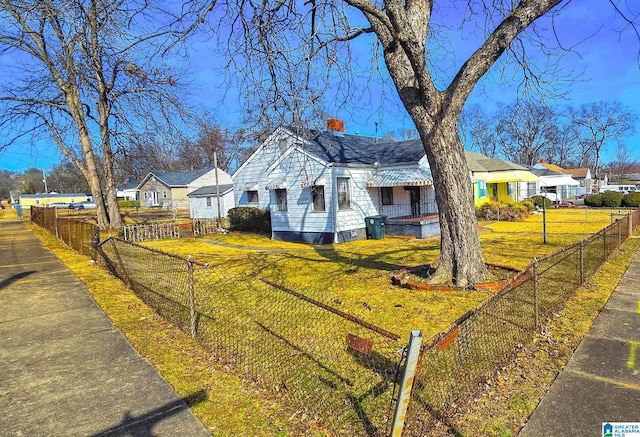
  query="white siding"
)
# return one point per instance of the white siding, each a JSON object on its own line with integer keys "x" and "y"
{"x": 298, "y": 169}
{"x": 362, "y": 203}
{"x": 255, "y": 171}
{"x": 198, "y": 206}
{"x": 209, "y": 178}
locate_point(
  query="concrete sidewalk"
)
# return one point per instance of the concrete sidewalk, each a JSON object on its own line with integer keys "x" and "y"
{"x": 601, "y": 382}
{"x": 65, "y": 370}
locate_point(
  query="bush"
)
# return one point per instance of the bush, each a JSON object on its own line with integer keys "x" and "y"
{"x": 537, "y": 200}
{"x": 593, "y": 200}
{"x": 509, "y": 212}
{"x": 529, "y": 205}
{"x": 246, "y": 218}
{"x": 612, "y": 199}
{"x": 129, "y": 203}
{"x": 631, "y": 199}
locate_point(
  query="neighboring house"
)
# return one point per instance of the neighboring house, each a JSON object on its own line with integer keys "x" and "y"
{"x": 556, "y": 186}
{"x": 170, "y": 189}
{"x": 580, "y": 175}
{"x": 203, "y": 201}
{"x": 583, "y": 176}
{"x": 496, "y": 179}
{"x": 27, "y": 200}
{"x": 128, "y": 190}
{"x": 320, "y": 186}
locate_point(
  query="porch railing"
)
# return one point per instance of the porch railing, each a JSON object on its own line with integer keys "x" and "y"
{"x": 410, "y": 210}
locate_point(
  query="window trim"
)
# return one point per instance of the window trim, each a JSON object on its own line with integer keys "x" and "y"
{"x": 281, "y": 204}
{"x": 386, "y": 199}
{"x": 313, "y": 193}
{"x": 344, "y": 197}
{"x": 257, "y": 198}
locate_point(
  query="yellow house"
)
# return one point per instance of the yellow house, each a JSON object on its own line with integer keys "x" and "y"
{"x": 496, "y": 179}
{"x": 44, "y": 199}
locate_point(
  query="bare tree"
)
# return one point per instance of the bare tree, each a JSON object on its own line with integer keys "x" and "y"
{"x": 601, "y": 124}
{"x": 480, "y": 130}
{"x": 88, "y": 73}
{"x": 526, "y": 132}
{"x": 290, "y": 53}
{"x": 624, "y": 161}
{"x": 564, "y": 148}
{"x": 65, "y": 177}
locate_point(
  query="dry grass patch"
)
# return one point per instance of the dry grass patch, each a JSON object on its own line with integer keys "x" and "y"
{"x": 233, "y": 407}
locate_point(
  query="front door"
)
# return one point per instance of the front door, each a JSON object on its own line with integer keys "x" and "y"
{"x": 414, "y": 197}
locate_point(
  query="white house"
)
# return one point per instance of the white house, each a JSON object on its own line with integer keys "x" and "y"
{"x": 204, "y": 201}
{"x": 127, "y": 190}
{"x": 320, "y": 186}
{"x": 555, "y": 182}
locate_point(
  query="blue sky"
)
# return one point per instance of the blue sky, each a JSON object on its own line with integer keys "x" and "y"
{"x": 604, "y": 63}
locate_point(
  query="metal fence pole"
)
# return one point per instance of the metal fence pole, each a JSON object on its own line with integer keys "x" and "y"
{"x": 535, "y": 292}
{"x": 406, "y": 386}
{"x": 192, "y": 305}
{"x": 604, "y": 244}
{"x": 581, "y": 262}
{"x": 619, "y": 236}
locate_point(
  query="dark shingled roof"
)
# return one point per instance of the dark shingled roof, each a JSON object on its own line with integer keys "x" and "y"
{"x": 210, "y": 190}
{"x": 179, "y": 178}
{"x": 354, "y": 149}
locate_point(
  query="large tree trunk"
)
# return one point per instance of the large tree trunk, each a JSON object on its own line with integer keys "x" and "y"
{"x": 460, "y": 253}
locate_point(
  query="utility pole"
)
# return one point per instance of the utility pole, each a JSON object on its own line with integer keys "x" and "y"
{"x": 215, "y": 164}
{"x": 44, "y": 179}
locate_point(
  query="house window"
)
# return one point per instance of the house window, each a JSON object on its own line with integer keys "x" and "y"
{"x": 208, "y": 202}
{"x": 252, "y": 196}
{"x": 344, "y": 194}
{"x": 317, "y": 197}
{"x": 145, "y": 195}
{"x": 531, "y": 189}
{"x": 482, "y": 189}
{"x": 164, "y": 194}
{"x": 509, "y": 188}
{"x": 387, "y": 195}
{"x": 281, "y": 200}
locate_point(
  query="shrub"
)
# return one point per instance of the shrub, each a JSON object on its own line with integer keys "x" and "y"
{"x": 129, "y": 203}
{"x": 612, "y": 199}
{"x": 593, "y": 200}
{"x": 529, "y": 205}
{"x": 244, "y": 218}
{"x": 510, "y": 212}
{"x": 631, "y": 199}
{"x": 537, "y": 200}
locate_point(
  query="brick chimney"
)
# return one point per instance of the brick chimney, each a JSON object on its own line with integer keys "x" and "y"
{"x": 541, "y": 160}
{"x": 335, "y": 125}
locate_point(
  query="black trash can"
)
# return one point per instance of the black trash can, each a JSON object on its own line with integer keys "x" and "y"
{"x": 375, "y": 226}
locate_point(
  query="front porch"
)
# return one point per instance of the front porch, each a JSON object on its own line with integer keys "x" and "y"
{"x": 407, "y": 198}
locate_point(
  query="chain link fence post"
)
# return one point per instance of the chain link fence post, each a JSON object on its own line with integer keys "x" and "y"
{"x": 406, "y": 385}
{"x": 535, "y": 293}
{"x": 619, "y": 234}
{"x": 192, "y": 305}
{"x": 604, "y": 244}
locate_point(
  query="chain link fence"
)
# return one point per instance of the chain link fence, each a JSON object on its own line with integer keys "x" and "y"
{"x": 80, "y": 235}
{"x": 336, "y": 370}
{"x": 454, "y": 362}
